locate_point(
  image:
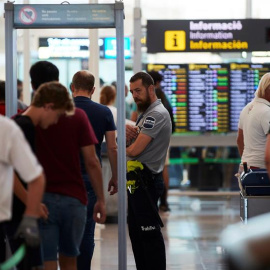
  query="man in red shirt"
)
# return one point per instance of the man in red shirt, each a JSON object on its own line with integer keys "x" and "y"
{"x": 58, "y": 150}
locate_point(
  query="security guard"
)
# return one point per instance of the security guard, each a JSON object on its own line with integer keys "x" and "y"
{"x": 146, "y": 153}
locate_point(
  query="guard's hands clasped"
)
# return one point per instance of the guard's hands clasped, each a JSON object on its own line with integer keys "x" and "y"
{"x": 28, "y": 230}
{"x": 131, "y": 133}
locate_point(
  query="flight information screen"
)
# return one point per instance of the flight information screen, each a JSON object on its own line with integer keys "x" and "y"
{"x": 208, "y": 95}
{"x": 244, "y": 80}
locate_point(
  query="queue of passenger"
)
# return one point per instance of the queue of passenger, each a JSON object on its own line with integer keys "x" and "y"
{"x": 58, "y": 148}
{"x": 67, "y": 143}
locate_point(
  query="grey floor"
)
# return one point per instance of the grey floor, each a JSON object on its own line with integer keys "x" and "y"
{"x": 191, "y": 234}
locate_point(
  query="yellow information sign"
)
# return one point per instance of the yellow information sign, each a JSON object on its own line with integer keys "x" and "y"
{"x": 175, "y": 40}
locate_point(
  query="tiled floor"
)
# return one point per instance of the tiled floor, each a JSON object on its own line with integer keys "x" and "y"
{"x": 191, "y": 234}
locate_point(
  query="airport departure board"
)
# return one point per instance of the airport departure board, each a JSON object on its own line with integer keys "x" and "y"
{"x": 209, "y": 97}
{"x": 244, "y": 80}
{"x": 175, "y": 87}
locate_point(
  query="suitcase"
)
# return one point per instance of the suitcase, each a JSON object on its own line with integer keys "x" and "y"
{"x": 255, "y": 182}
{"x": 251, "y": 206}
{"x": 255, "y": 193}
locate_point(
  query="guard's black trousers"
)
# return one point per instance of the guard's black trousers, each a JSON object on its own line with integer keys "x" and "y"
{"x": 144, "y": 228}
{"x": 2, "y": 244}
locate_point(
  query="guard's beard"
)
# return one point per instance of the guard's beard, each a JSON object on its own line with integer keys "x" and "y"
{"x": 142, "y": 106}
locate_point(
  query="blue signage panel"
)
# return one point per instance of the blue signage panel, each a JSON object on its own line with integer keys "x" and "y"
{"x": 64, "y": 16}
{"x": 110, "y": 48}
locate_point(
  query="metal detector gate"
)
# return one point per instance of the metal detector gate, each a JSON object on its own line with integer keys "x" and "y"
{"x": 74, "y": 16}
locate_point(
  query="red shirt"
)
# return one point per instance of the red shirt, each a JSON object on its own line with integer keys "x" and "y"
{"x": 3, "y": 109}
{"x": 58, "y": 149}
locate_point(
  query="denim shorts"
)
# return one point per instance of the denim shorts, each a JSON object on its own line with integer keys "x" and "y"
{"x": 63, "y": 230}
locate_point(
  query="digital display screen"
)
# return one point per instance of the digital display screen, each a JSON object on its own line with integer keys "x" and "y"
{"x": 244, "y": 80}
{"x": 209, "y": 97}
{"x": 208, "y": 94}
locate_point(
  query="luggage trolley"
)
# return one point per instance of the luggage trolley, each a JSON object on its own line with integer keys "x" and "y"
{"x": 254, "y": 193}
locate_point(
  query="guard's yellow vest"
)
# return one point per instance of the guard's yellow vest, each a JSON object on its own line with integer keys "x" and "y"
{"x": 133, "y": 165}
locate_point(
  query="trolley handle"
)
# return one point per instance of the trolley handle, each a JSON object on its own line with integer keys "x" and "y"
{"x": 245, "y": 167}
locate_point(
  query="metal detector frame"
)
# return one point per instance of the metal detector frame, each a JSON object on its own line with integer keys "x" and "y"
{"x": 11, "y": 24}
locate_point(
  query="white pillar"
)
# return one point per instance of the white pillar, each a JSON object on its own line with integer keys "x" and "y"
{"x": 249, "y": 16}
{"x": 137, "y": 57}
{"x": 93, "y": 60}
{"x": 249, "y": 9}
